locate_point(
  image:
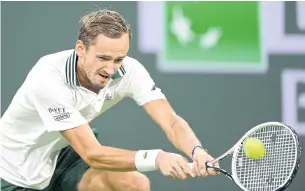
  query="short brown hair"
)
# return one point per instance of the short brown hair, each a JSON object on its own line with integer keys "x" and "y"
{"x": 104, "y": 21}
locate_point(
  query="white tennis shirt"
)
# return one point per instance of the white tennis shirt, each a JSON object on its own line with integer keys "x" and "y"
{"x": 50, "y": 100}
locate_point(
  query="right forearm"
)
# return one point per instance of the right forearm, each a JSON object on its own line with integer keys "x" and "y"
{"x": 110, "y": 158}
{"x": 115, "y": 159}
{"x": 102, "y": 157}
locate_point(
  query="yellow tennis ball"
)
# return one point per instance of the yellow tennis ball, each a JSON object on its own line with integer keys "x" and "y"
{"x": 254, "y": 148}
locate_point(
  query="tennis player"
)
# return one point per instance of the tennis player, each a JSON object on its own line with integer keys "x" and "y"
{"x": 46, "y": 140}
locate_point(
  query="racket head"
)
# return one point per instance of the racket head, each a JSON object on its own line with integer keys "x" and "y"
{"x": 276, "y": 169}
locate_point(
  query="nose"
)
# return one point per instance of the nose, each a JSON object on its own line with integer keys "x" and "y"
{"x": 110, "y": 69}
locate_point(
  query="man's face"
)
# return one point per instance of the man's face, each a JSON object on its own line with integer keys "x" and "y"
{"x": 99, "y": 62}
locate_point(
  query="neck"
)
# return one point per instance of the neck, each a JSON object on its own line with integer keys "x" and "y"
{"x": 83, "y": 80}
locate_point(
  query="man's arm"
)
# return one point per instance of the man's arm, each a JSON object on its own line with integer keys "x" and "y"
{"x": 97, "y": 156}
{"x": 176, "y": 129}
{"x": 141, "y": 88}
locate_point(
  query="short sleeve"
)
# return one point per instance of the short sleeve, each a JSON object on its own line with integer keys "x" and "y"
{"x": 140, "y": 86}
{"x": 55, "y": 106}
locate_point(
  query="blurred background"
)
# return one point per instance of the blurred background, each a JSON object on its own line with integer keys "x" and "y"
{"x": 224, "y": 67}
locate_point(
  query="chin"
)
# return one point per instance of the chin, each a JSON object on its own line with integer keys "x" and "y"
{"x": 99, "y": 85}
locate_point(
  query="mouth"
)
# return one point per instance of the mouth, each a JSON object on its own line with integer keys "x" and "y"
{"x": 104, "y": 76}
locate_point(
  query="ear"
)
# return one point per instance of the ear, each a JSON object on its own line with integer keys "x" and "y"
{"x": 80, "y": 48}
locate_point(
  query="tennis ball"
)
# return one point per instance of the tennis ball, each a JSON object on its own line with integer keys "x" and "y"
{"x": 254, "y": 148}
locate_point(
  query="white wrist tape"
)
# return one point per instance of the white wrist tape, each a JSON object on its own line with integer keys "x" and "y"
{"x": 145, "y": 160}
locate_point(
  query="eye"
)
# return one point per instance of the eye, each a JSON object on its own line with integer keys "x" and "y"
{"x": 118, "y": 60}
{"x": 103, "y": 58}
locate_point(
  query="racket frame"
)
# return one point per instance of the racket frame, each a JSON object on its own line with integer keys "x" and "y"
{"x": 297, "y": 158}
{"x": 233, "y": 151}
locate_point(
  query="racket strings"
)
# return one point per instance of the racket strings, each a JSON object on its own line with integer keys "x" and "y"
{"x": 272, "y": 170}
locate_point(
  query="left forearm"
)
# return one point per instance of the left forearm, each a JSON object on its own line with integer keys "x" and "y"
{"x": 182, "y": 136}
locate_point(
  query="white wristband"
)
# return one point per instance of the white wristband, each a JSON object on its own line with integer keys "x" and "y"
{"x": 145, "y": 160}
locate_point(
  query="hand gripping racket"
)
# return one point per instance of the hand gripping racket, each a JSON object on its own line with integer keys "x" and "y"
{"x": 275, "y": 170}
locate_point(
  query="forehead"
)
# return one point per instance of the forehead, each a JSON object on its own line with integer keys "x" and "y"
{"x": 108, "y": 45}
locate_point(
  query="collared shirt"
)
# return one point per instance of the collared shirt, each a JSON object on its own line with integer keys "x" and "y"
{"x": 50, "y": 100}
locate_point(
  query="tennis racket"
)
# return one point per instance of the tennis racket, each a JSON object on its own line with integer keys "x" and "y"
{"x": 275, "y": 170}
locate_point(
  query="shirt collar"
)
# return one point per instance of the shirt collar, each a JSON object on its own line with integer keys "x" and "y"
{"x": 71, "y": 70}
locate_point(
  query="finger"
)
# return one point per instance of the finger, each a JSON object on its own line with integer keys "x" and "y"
{"x": 180, "y": 171}
{"x": 217, "y": 166}
{"x": 173, "y": 174}
{"x": 186, "y": 169}
{"x": 196, "y": 168}
{"x": 202, "y": 168}
{"x": 212, "y": 171}
{"x": 182, "y": 174}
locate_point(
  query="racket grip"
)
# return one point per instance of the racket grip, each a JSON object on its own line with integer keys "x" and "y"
{"x": 191, "y": 165}
{"x": 208, "y": 164}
